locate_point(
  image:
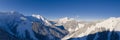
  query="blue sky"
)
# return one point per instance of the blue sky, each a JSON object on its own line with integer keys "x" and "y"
{"x": 52, "y": 9}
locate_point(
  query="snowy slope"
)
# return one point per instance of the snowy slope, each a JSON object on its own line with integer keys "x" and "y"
{"x": 14, "y": 21}
{"x": 111, "y": 24}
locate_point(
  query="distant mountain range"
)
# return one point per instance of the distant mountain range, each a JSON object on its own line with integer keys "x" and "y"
{"x": 15, "y": 26}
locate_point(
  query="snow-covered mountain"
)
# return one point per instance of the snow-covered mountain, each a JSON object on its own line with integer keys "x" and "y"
{"x": 15, "y": 26}
{"x": 69, "y": 24}
{"x": 62, "y": 21}
{"x": 110, "y": 26}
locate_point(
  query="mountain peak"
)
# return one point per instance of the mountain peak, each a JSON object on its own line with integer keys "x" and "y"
{"x": 64, "y": 20}
{"x": 38, "y": 16}
{"x": 42, "y": 18}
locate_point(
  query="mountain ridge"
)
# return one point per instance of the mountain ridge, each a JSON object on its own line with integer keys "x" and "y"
{"x": 15, "y": 26}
